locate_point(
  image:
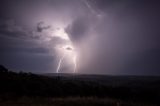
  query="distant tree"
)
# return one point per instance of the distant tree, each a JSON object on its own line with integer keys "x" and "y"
{"x": 3, "y": 69}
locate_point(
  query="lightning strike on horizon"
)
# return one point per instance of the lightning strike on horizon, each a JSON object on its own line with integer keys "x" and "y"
{"x": 59, "y": 64}
{"x": 67, "y": 49}
{"x": 75, "y": 63}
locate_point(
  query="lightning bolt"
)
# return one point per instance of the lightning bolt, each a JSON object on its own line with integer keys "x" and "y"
{"x": 89, "y": 6}
{"x": 59, "y": 63}
{"x": 75, "y": 63}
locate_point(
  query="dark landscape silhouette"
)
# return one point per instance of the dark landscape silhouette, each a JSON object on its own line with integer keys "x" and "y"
{"x": 140, "y": 89}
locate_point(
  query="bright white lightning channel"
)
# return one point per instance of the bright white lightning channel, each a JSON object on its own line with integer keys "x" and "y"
{"x": 59, "y": 63}
{"x": 68, "y": 50}
{"x": 75, "y": 63}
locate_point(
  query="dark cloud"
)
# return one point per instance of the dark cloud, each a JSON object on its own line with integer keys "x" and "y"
{"x": 9, "y": 27}
{"x": 24, "y": 54}
{"x": 11, "y": 45}
{"x": 25, "y": 50}
{"x": 41, "y": 26}
{"x": 78, "y": 28}
{"x": 20, "y": 50}
{"x": 111, "y": 36}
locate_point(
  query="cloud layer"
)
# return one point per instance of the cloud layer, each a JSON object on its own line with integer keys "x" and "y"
{"x": 110, "y": 36}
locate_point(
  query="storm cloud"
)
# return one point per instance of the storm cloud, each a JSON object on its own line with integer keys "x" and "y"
{"x": 110, "y": 36}
{"x": 78, "y": 29}
{"x": 41, "y": 26}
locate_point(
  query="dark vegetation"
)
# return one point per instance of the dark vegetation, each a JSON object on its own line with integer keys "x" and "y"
{"x": 126, "y": 88}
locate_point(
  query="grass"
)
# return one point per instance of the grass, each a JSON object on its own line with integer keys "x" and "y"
{"x": 69, "y": 101}
{"x": 27, "y": 89}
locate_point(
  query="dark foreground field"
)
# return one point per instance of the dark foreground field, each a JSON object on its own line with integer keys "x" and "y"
{"x": 70, "y": 101}
{"x": 27, "y": 89}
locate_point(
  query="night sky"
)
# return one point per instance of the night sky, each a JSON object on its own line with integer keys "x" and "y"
{"x": 113, "y": 37}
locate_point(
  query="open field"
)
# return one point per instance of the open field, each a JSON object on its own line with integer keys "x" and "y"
{"x": 71, "y": 101}
{"x": 27, "y": 89}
